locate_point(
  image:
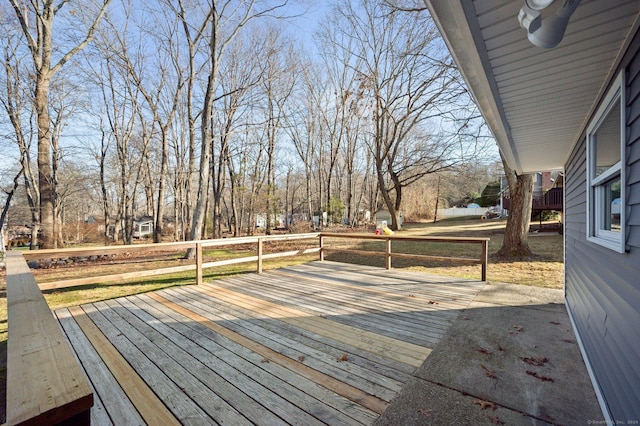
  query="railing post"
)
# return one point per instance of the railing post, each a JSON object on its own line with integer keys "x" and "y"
{"x": 387, "y": 263}
{"x": 198, "y": 263}
{"x": 321, "y": 248}
{"x": 485, "y": 259}
{"x": 259, "y": 255}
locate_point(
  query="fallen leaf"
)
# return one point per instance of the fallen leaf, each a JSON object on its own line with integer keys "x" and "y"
{"x": 500, "y": 348}
{"x": 484, "y": 404}
{"x": 431, "y": 302}
{"x": 518, "y": 328}
{"x": 425, "y": 413}
{"x": 411, "y": 295}
{"x": 568, "y": 341}
{"x": 538, "y": 361}
{"x": 465, "y": 318}
{"x": 537, "y": 376}
{"x": 484, "y": 351}
{"x": 323, "y": 316}
{"x": 301, "y": 358}
{"x": 344, "y": 357}
{"x": 554, "y": 322}
{"x": 264, "y": 360}
{"x": 489, "y": 373}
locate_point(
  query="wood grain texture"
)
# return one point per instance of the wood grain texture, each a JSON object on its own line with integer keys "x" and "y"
{"x": 152, "y": 410}
{"x": 321, "y": 343}
{"x": 45, "y": 384}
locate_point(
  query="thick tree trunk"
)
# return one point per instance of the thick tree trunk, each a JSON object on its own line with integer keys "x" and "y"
{"x": 515, "y": 243}
{"x": 45, "y": 182}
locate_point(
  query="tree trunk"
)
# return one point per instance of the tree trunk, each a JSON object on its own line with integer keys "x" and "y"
{"x": 515, "y": 243}
{"x": 158, "y": 228}
{"x": 44, "y": 162}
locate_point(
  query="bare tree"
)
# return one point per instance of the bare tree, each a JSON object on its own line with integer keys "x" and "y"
{"x": 194, "y": 23}
{"x": 240, "y": 72}
{"x": 40, "y": 40}
{"x": 226, "y": 20}
{"x": 17, "y": 104}
{"x": 303, "y": 127}
{"x": 7, "y": 203}
{"x": 337, "y": 103}
{"x": 411, "y": 87}
{"x": 161, "y": 90}
{"x": 278, "y": 85}
{"x": 125, "y": 141}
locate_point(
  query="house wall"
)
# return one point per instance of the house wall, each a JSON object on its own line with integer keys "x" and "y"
{"x": 603, "y": 286}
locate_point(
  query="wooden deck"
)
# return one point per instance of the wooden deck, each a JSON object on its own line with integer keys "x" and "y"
{"x": 322, "y": 343}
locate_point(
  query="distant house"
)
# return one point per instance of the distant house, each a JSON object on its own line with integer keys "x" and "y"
{"x": 142, "y": 228}
{"x": 570, "y": 100}
{"x": 547, "y": 191}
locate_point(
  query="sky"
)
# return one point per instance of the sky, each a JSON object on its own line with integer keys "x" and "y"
{"x": 306, "y": 16}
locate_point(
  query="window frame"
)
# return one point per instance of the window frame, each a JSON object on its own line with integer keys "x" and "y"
{"x": 596, "y": 185}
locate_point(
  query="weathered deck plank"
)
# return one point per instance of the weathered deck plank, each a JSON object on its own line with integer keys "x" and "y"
{"x": 181, "y": 406}
{"x": 107, "y": 391}
{"x": 361, "y": 378}
{"x": 214, "y": 384}
{"x": 301, "y": 392}
{"x": 402, "y": 320}
{"x": 321, "y": 343}
{"x": 382, "y": 345}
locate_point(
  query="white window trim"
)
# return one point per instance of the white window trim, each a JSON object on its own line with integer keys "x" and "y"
{"x": 609, "y": 239}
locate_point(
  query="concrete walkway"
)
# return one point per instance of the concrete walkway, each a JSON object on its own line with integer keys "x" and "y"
{"x": 511, "y": 358}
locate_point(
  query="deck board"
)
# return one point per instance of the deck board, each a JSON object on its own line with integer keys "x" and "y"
{"x": 106, "y": 389}
{"x": 320, "y": 343}
{"x": 381, "y": 315}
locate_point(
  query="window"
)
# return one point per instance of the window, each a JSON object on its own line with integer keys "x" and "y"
{"x": 605, "y": 171}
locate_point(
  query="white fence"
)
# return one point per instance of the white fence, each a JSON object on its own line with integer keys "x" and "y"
{"x": 452, "y": 212}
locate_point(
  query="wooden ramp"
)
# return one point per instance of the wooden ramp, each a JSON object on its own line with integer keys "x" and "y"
{"x": 321, "y": 343}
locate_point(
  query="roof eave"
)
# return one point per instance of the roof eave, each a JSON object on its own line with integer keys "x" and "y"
{"x": 467, "y": 48}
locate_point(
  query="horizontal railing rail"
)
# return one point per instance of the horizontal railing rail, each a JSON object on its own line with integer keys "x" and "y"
{"x": 197, "y": 266}
{"x": 258, "y": 257}
{"x": 482, "y": 260}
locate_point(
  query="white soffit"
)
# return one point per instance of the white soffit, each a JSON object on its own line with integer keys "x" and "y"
{"x": 536, "y": 101}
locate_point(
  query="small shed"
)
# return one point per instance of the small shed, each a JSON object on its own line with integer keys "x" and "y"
{"x": 383, "y": 215}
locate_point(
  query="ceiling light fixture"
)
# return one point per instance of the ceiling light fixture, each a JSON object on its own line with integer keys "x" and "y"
{"x": 547, "y": 32}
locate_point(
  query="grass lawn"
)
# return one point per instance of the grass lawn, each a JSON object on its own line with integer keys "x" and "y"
{"x": 545, "y": 269}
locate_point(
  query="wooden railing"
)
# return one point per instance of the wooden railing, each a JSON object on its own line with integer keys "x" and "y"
{"x": 197, "y": 266}
{"x": 45, "y": 383}
{"x": 550, "y": 200}
{"x": 482, "y": 260}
